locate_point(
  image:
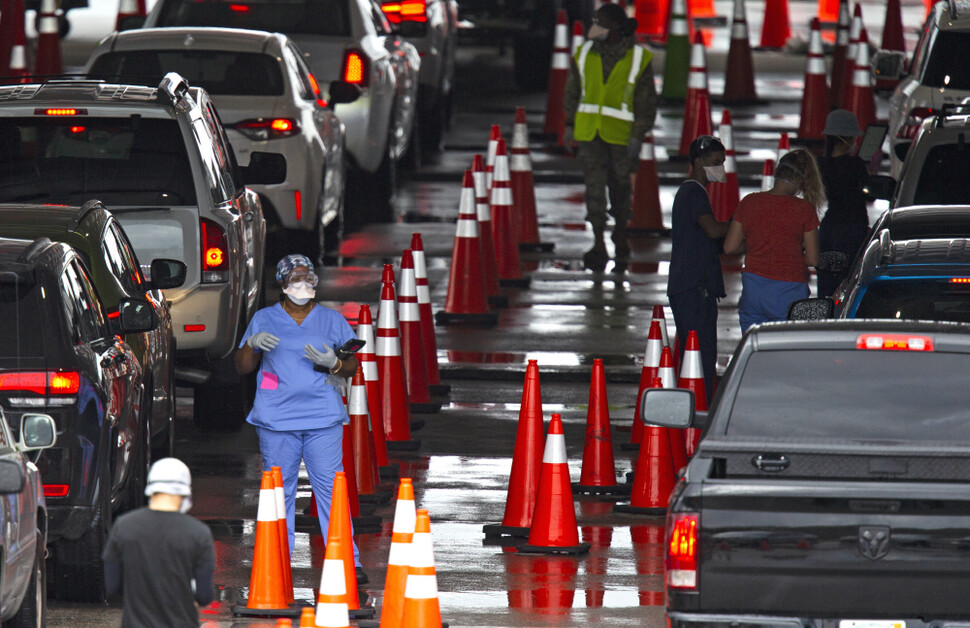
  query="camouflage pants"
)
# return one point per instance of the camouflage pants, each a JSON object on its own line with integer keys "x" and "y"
{"x": 606, "y": 166}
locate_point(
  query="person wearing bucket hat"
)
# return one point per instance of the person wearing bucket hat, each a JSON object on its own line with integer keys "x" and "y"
{"x": 299, "y": 411}
{"x": 845, "y": 223}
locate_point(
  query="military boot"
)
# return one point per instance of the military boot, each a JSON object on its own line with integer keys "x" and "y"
{"x": 621, "y": 249}
{"x": 595, "y": 259}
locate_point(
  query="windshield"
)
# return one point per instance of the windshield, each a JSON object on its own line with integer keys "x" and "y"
{"x": 852, "y": 395}
{"x": 944, "y": 180}
{"x": 917, "y": 298}
{"x": 70, "y": 160}
{"x": 21, "y": 309}
{"x": 291, "y": 17}
{"x": 940, "y": 70}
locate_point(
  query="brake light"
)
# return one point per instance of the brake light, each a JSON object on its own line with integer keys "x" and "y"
{"x": 959, "y": 279}
{"x": 262, "y": 129}
{"x": 60, "y": 111}
{"x": 56, "y": 490}
{"x": 405, "y": 11}
{"x": 78, "y": 129}
{"x": 215, "y": 252}
{"x": 239, "y": 8}
{"x": 894, "y": 342}
{"x": 298, "y": 203}
{"x": 66, "y": 383}
{"x": 680, "y": 566}
{"x": 196, "y": 327}
{"x": 355, "y": 68}
{"x": 914, "y": 119}
{"x": 41, "y": 382}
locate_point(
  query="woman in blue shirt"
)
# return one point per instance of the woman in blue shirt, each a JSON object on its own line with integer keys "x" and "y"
{"x": 298, "y": 412}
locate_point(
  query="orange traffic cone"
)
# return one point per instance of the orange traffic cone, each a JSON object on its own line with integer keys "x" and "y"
{"x": 8, "y": 17}
{"x": 526, "y": 461}
{"x": 861, "y": 99}
{"x": 466, "y": 301}
{"x": 523, "y": 188}
{"x": 739, "y": 78}
{"x": 368, "y": 362}
{"x": 892, "y": 37}
{"x": 668, "y": 377}
{"x": 390, "y": 368}
{"x": 828, "y": 12}
{"x": 703, "y": 10}
{"x": 651, "y": 362}
{"x": 48, "y": 61}
{"x": 421, "y": 607}
{"x": 129, "y": 8}
{"x": 658, "y": 315}
{"x": 558, "y": 73}
{"x": 395, "y": 580}
{"x": 726, "y": 196}
{"x": 412, "y": 339}
{"x": 784, "y": 146}
{"x": 503, "y": 223}
{"x": 839, "y": 56}
{"x": 427, "y": 318}
{"x": 777, "y": 27}
{"x": 697, "y": 108}
{"x": 647, "y": 216}
{"x": 17, "y": 71}
{"x": 598, "y": 475}
{"x": 553, "y": 529}
{"x": 578, "y": 39}
{"x": 678, "y": 37}
{"x": 651, "y": 18}
{"x": 308, "y": 617}
{"x": 365, "y": 464}
{"x": 283, "y": 534}
{"x": 485, "y": 242}
{"x": 692, "y": 378}
{"x": 768, "y": 175}
{"x": 851, "y": 52}
{"x": 332, "y": 607}
{"x": 350, "y": 470}
{"x": 494, "y": 136}
{"x": 341, "y": 530}
{"x": 815, "y": 96}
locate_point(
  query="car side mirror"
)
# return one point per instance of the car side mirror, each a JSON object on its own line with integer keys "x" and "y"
{"x": 880, "y": 186}
{"x": 889, "y": 65}
{"x": 134, "y": 316}
{"x": 12, "y": 476}
{"x": 37, "y": 431}
{"x": 342, "y": 92}
{"x": 815, "y": 309}
{"x": 167, "y": 273}
{"x": 131, "y": 22}
{"x": 264, "y": 169}
{"x": 668, "y": 407}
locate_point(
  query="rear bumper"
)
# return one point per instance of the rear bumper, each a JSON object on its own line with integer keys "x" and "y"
{"x": 213, "y": 306}
{"x": 713, "y": 620}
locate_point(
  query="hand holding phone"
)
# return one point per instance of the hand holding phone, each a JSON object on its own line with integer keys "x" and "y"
{"x": 350, "y": 347}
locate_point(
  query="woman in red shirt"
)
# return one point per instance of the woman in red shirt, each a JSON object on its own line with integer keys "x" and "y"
{"x": 778, "y": 233}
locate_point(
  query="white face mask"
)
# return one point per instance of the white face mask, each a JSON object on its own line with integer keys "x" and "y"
{"x": 299, "y": 292}
{"x": 598, "y": 33}
{"x": 715, "y": 174}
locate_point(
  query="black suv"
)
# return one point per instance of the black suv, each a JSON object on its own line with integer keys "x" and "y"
{"x": 59, "y": 355}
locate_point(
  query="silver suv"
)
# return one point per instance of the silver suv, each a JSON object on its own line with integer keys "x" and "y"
{"x": 159, "y": 159}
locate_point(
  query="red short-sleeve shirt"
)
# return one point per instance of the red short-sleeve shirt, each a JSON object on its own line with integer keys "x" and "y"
{"x": 774, "y": 227}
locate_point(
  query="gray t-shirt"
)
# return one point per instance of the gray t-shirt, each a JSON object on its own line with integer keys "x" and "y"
{"x": 694, "y": 260}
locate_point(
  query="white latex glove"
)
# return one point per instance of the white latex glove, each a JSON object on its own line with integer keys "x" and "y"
{"x": 326, "y": 358}
{"x": 263, "y": 341}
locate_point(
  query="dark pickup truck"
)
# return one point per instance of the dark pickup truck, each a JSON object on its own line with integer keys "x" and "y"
{"x": 831, "y": 488}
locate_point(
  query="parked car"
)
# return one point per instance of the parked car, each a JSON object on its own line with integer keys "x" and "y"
{"x": 347, "y": 40}
{"x": 283, "y": 131}
{"x": 160, "y": 159}
{"x": 60, "y": 355}
{"x": 117, "y": 274}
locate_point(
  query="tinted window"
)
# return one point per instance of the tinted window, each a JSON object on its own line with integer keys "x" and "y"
{"x": 929, "y": 299}
{"x": 85, "y": 315}
{"x": 852, "y": 395}
{"x": 213, "y": 169}
{"x": 942, "y": 69}
{"x": 121, "y": 261}
{"x": 220, "y": 73}
{"x": 944, "y": 180}
{"x": 69, "y": 161}
{"x": 22, "y": 311}
{"x": 303, "y": 17}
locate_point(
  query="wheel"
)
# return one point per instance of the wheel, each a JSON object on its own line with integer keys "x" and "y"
{"x": 33, "y": 610}
{"x": 77, "y": 567}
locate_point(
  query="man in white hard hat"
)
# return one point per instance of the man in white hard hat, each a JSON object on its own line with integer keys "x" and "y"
{"x": 160, "y": 559}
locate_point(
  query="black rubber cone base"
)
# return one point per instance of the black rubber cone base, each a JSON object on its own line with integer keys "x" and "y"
{"x": 517, "y": 282}
{"x": 498, "y": 300}
{"x": 660, "y": 231}
{"x": 377, "y": 497}
{"x": 239, "y": 609}
{"x": 364, "y": 612}
{"x": 630, "y": 446}
{"x": 377, "y": 624}
{"x": 367, "y": 524}
{"x": 403, "y": 445}
{"x": 439, "y": 389}
{"x": 634, "y": 510}
{"x": 416, "y": 424}
{"x": 570, "y": 550}
{"x": 616, "y": 489}
{"x": 429, "y": 407}
{"x": 497, "y": 529}
{"x": 389, "y": 471}
{"x": 487, "y": 319}
{"x": 536, "y": 247}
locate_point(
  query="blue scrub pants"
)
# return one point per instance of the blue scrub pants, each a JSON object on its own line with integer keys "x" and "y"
{"x": 764, "y": 300}
{"x": 697, "y": 310}
{"x": 322, "y": 451}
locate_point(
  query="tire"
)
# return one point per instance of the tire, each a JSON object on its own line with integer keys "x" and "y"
{"x": 33, "y": 610}
{"x": 78, "y": 570}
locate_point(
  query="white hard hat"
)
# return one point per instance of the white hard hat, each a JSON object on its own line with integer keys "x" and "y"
{"x": 170, "y": 476}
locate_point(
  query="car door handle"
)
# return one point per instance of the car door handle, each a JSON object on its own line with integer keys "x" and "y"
{"x": 249, "y": 216}
{"x": 770, "y": 463}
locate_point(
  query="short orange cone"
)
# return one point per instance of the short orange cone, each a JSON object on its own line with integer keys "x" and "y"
{"x": 493, "y": 137}
{"x": 668, "y": 377}
{"x": 48, "y": 60}
{"x": 412, "y": 339}
{"x": 725, "y": 196}
{"x": 17, "y": 71}
{"x": 421, "y": 607}
{"x": 308, "y": 617}
{"x": 678, "y": 37}
{"x": 651, "y": 18}
{"x": 828, "y": 12}
{"x": 692, "y": 378}
{"x": 554, "y": 529}
{"x": 129, "y": 8}
{"x": 777, "y": 27}
{"x": 768, "y": 175}
{"x": 284, "y": 621}
{"x": 851, "y": 52}
{"x": 340, "y": 529}
{"x": 368, "y": 362}
{"x": 427, "y": 318}
{"x": 739, "y": 88}
{"x": 365, "y": 464}
{"x": 815, "y": 96}
{"x": 839, "y": 53}
{"x": 466, "y": 302}
{"x": 861, "y": 99}
{"x": 402, "y": 533}
{"x": 784, "y": 146}
{"x": 651, "y": 364}
{"x": 503, "y": 223}
{"x": 486, "y": 244}
{"x": 390, "y": 368}
{"x": 892, "y": 37}
{"x": 697, "y": 108}
{"x": 578, "y": 39}
{"x": 647, "y": 215}
{"x": 558, "y": 73}
{"x": 8, "y": 17}
{"x": 332, "y": 608}
{"x": 523, "y": 188}
{"x": 526, "y": 461}
{"x": 598, "y": 474}
{"x": 284, "y": 536}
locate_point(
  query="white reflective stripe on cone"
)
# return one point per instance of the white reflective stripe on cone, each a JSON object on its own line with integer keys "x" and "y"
{"x": 467, "y": 228}
{"x": 691, "y": 368}
{"x": 668, "y": 377}
{"x": 267, "y": 505}
{"x": 555, "y": 450}
{"x": 280, "y": 503}
{"x": 562, "y": 36}
{"x": 560, "y": 60}
{"x": 18, "y": 58}
{"x": 816, "y": 66}
{"x": 332, "y": 579}
{"x": 646, "y": 151}
{"x": 501, "y": 196}
{"x": 698, "y": 60}
{"x": 370, "y": 370}
{"x": 357, "y": 404}
{"x": 400, "y": 553}
{"x": 405, "y": 517}
{"x": 520, "y": 162}
{"x": 48, "y": 25}
{"x": 388, "y": 346}
{"x": 422, "y": 555}
{"x": 698, "y": 79}
{"x": 409, "y": 311}
{"x": 730, "y": 163}
{"x": 421, "y": 587}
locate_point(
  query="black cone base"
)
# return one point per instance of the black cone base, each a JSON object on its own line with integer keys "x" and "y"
{"x": 415, "y": 424}
{"x": 429, "y": 407}
{"x": 364, "y": 612}
{"x": 366, "y": 524}
{"x": 517, "y": 282}
{"x": 582, "y": 548}
{"x": 403, "y": 445}
{"x": 616, "y": 489}
{"x": 377, "y": 497}
{"x": 498, "y": 300}
{"x": 489, "y": 319}
{"x": 439, "y": 389}
{"x": 634, "y": 510}
{"x": 630, "y": 446}
{"x": 536, "y": 247}
{"x": 389, "y": 471}
{"x": 497, "y": 529}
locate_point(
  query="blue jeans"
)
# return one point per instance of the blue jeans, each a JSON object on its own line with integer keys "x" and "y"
{"x": 764, "y": 300}
{"x": 322, "y": 451}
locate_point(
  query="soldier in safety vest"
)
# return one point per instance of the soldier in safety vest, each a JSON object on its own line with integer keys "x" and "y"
{"x": 611, "y": 102}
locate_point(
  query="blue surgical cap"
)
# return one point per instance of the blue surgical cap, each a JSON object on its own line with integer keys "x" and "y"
{"x": 286, "y": 265}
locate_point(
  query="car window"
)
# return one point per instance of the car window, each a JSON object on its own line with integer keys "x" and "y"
{"x": 121, "y": 260}
{"x": 213, "y": 170}
{"x": 84, "y": 310}
{"x": 22, "y": 309}
{"x": 940, "y": 69}
{"x": 921, "y": 298}
{"x": 943, "y": 179}
{"x": 219, "y": 72}
{"x": 70, "y": 160}
{"x": 293, "y": 17}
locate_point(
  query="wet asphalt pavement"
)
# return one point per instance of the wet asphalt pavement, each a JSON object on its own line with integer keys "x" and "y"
{"x": 565, "y": 319}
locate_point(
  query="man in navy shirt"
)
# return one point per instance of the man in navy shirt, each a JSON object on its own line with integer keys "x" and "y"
{"x": 695, "y": 283}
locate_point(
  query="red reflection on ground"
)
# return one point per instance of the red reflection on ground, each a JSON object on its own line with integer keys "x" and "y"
{"x": 648, "y": 552}
{"x": 599, "y": 539}
{"x": 643, "y": 268}
{"x": 575, "y": 197}
{"x": 543, "y": 585}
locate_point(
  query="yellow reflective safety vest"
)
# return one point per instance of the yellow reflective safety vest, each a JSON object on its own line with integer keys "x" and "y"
{"x": 607, "y": 109}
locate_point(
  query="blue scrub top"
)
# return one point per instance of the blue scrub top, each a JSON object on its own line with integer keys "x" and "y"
{"x": 290, "y": 395}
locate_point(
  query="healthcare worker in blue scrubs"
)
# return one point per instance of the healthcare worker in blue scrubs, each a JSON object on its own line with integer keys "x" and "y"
{"x": 299, "y": 412}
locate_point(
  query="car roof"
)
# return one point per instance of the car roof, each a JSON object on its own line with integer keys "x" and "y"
{"x": 928, "y": 222}
{"x": 153, "y": 101}
{"x": 57, "y": 222}
{"x": 953, "y": 15}
{"x": 844, "y": 333}
{"x": 18, "y": 253}
{"x": 208, "y": 38}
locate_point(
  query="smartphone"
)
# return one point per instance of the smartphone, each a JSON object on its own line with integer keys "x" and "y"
{"x": 872, "y": 140}
{"x": 350, "y": 347}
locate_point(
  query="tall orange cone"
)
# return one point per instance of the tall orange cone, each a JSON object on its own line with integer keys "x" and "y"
{"x": 692, "y": 378}
{"x": 651, "y": 364}
{"x": 48, "y": 61}
{"x": 777, "y": 27}
{"x": 703, "y": 10}
{"x": 558, "y": 73}
{"x": 697, "y": 107}
{"x": 554, "y": 529}
{"x": 892, "y": 37}
{"x": 503, "y": 223}
{"x": 526, "y": 461}
{"x": 598, "y": 474}
{"x": 658, "y": 315}
{"x": 861, "y": 99}
{"x": 647, "y": 215}
{"x": 365, "y": 463}
{"x": 578, "y": 39}
{"x": 739, "y": 88}
{"x": 368, "y": 362}
{"x": 284, "y": 536}
{"x": 815, "y": 96}
{"x": 839, "y": 55}
{"x": 129, "y": 8}
{"x": 523, "y": 188}
{"x": 466, "y": 301}
{"x": 486, "y": 244}
{"x": 421, "y": 607}
{"x": 8, "y": 29}
{"x": 427, "y": 318}
{"x": 493, "y": 137}
{"x": 768, "y": 175}
{"x": 651, "y": 18}
{"x": 341, "y": 530}
{"x": 784, "y": 146}
{"x": 17, "y": 71}
{"x": 726, "y": 196}
{"x": 412, "y": 339}
{"x": 668, "y": 377}
{"x": 851, "y": 52}
{"x": 828, "y": 12}
{"x": 390, "y": 370}
{"x": 402, "y": 533}
{"x": 332, "y": 608}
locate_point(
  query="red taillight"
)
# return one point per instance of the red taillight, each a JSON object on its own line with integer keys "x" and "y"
{"x": 60, "y": 111}
{"x": 56, "y": 490}
{"x": 41, "y": 382}
{"x": 196, "y": 327}
{"x": 398, "y": 11}
{"x": 298, "y": 203}
{"x": 959, "y": 279}
{"x": 239, "y": 8}
{"x": 262, "y": 129}
{"x": 215, "y": 252}
{"x": 66, "y": 383}
{"x": 680, "y": 566}
{"x": 355, "y": 68}
{"x": 912, "y": 122}
{"x": 78, "y": 129}
{"x": 894, "y": 342}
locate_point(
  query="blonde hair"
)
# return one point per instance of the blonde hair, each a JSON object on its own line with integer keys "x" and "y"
{"x": 800, "y": 165}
